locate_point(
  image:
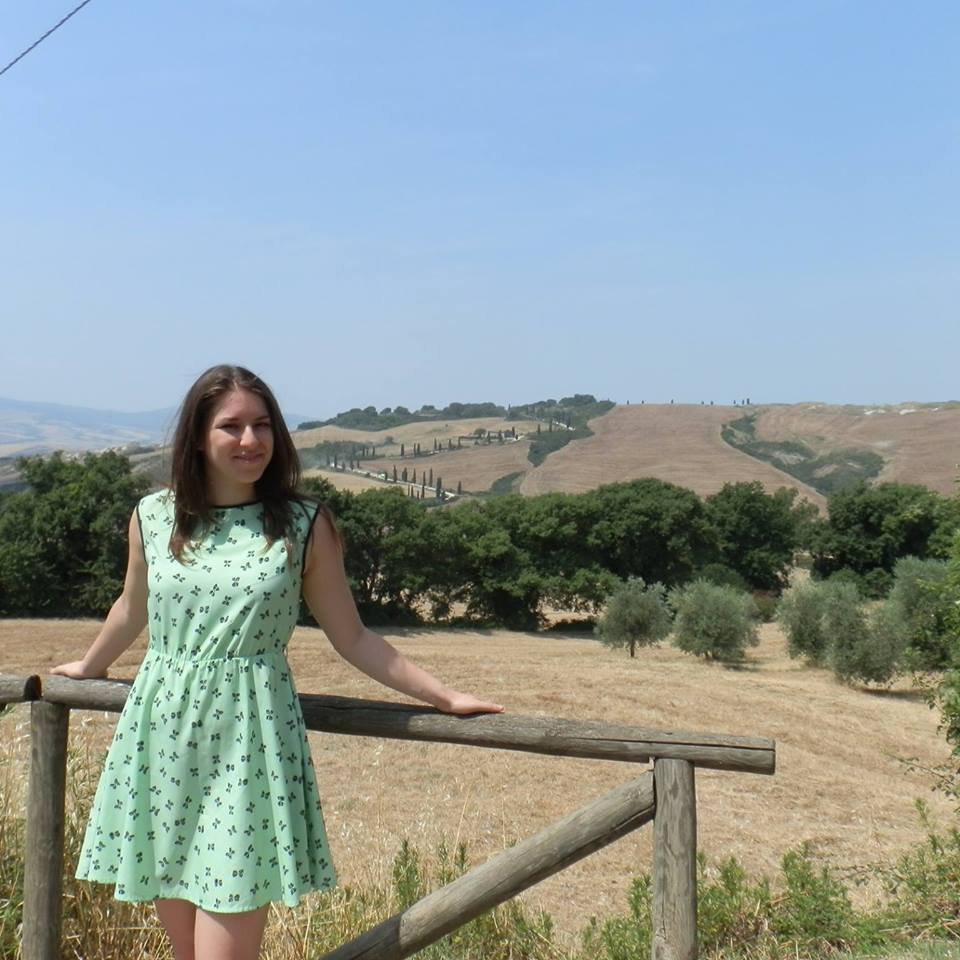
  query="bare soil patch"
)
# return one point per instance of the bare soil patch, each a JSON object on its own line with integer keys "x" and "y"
{"x": 678, "y": 443}
{"x": 839, "y": 783}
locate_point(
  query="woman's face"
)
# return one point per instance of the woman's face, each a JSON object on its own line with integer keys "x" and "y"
{"x": 237, "y": 446}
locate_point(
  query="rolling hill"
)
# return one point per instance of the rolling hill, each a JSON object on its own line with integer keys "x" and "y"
{"x": 811, "y": 447}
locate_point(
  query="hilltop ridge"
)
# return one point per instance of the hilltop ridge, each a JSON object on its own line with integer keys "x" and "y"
{"x": 580, "y": 443}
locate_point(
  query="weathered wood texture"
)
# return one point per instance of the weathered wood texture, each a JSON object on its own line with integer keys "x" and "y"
{"x": 43, "y": 863}
{"x": 505, "y": 731}
{"x": 108, "y": 695}
{"x": 18, "y": 689}
{"x": 599, "y": 823}
{"x": 674, "y": 901}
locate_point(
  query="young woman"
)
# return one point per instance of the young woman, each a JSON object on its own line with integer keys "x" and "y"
{"x": 208, "y": 804}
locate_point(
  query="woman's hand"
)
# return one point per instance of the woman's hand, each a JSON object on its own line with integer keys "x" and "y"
{"x": 76, "y": 670}
{"x": 461, "y": 703}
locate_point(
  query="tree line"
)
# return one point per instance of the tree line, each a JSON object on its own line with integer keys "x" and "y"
{"x": 500, "y": 561}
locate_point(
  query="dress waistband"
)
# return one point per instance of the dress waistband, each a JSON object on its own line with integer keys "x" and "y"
{"x": 181, "y": 658}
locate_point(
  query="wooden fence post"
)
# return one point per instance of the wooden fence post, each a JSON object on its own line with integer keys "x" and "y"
{"x": 612, "y": 816}
{"x": 674, "y": 906}
{"x": 43, "y": 864}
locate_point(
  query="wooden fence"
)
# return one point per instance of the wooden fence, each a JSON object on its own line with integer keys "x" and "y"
{"x": 665, "y": 795}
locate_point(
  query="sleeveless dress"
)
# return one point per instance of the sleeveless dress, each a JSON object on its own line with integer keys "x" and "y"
{"x": 208, "y": 792}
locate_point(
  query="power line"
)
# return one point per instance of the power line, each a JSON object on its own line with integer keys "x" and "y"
{"x": 37, "y": 43}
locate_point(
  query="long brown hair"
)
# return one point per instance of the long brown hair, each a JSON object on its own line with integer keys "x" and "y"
{"x": 277, "y": 487}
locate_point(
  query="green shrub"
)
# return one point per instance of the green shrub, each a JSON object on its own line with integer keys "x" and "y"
{"x": 636, "y": 614}
{"x": 723, "y": 576}
{"x": 924, "y": 883}
{"x": 862, "y": 648}
{"x": 876, "y": 583}
{"x": 923, "y": 604}
{"x": 731, "y": 910}
{"x": 737, "y": 916}
{"x": 826, "y": 622}
{"x": 815, "y": 908}
{"x": 847, "y": 631}
{"x": 800, "y": 615}
{"x": 623, "y": 938}
{"x": 718, "y": 623}
{"x": 847, "y": 576}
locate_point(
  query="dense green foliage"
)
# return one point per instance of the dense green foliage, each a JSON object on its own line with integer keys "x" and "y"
{"x": 944, "y": 691}
{"x": 571, "y": 411}
{"x": 758, "y": 532}
{"x": 502, "y": 559}
{"x": 871, "y": 528}
{"x": 369, "y": 418}
{"x": 920, "y": 603}
{"x": 800, "y": 615}
{"x": 635, "y": 614}
{"x": 829, "y": 623}
{"x": 335, "y": 451}
{"x": 863, "y": 647}
{"x": 712, "y": 621}
{"x": 498, "y": 560}
{"x": 63, "y": 542}
{"x": 827, "y": 473}
{"x": 549, "y": 441}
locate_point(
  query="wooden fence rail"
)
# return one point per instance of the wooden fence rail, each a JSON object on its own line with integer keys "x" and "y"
{"x": 667, "y": 796}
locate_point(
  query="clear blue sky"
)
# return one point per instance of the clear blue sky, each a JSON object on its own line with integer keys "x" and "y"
{"x": 420, "y": 202}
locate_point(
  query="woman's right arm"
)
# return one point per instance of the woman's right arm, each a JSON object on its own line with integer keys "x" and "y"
{"x": 127, "y": 617}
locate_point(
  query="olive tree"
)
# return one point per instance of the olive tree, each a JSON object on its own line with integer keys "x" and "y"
{"x": 715, "y": 622}
{"x": 635, "y": 614}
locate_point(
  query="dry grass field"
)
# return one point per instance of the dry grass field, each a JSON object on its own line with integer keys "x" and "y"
{"x": 919, "y": 442}
{"x": 477, "y": 468}
{"x": 679, "y": 443}
{"x": 424, "y": 432}
{"x": 345, "y": 481}
{"x": 839, "y": 783}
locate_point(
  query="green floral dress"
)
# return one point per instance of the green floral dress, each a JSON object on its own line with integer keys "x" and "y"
{"x": 208, "y": 792}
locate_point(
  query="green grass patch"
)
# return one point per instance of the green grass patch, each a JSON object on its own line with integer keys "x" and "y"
{"x": 549, "y": 441}
{"x": 510, "y": 483}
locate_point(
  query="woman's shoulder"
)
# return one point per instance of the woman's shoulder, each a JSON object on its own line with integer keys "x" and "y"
{"x": 304, "y": 507}
{"x": 161, "y": 500}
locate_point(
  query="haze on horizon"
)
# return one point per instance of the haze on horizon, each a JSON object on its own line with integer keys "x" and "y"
{"x": 431, "y": 203}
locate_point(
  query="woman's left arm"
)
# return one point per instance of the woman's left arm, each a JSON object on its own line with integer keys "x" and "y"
{"x": 328, "y": 596}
